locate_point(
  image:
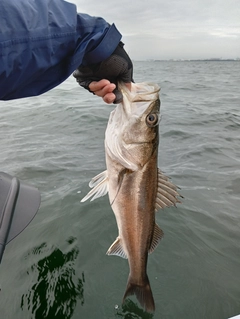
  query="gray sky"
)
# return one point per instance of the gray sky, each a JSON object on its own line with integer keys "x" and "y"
{"x": 172, "y": 29}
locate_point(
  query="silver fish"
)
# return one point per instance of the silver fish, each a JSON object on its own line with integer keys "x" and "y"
{"x": 136, "y": 187}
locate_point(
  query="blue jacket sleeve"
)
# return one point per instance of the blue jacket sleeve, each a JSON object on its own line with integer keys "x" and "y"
{"x": 42, "y": 42}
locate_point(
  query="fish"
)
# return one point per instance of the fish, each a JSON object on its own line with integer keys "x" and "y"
{"x": 136, "y": 187}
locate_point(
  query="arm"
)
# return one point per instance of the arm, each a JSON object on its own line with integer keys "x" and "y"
{"x": 43, "y": 42}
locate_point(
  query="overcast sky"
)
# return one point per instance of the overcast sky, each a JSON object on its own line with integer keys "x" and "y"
{"x": 172, "y": 29}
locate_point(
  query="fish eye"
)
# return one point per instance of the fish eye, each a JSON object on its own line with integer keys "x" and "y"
{"x": 152, "y": 119}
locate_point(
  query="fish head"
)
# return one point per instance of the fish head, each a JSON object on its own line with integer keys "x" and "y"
{"x": 132, "y": 132}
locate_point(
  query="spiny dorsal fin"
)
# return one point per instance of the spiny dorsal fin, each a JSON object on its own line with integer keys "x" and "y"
{"x": 167, "y": 194}
{"x": 117, "y": 249}
{"x": 100, "y": 184}
{"x": 157, "y": 236}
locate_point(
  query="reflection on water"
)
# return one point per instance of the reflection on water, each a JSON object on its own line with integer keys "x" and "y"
{"x": 130, "y": 310}
{"x": 56, "y": 290}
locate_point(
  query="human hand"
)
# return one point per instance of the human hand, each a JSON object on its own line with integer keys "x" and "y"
{"x": 107, "y": 90}
{"x": 101, "y": 79}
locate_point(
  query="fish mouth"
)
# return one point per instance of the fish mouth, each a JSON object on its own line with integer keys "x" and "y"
{"x": 137, "y": 100}
{"x": 137, "y": 94}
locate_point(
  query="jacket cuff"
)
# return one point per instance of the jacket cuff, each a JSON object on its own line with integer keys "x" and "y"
{"x": 105, "y": 48}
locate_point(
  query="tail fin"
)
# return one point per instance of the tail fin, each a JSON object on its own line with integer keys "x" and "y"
{"x": 143, "y": 294}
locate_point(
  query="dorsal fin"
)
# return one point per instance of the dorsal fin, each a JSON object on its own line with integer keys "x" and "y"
{"x": 157, "y": 236}
{"x": 167, "y": 194}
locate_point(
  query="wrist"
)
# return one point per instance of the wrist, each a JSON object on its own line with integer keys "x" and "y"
{"x": 105, "y": 48}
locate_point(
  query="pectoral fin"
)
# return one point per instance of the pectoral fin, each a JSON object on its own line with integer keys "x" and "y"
{"x": 167, "y": 194}
{"x": 117, "y": 249}
{"x": 100, "y": 186}
{"x": 157, "y": 236}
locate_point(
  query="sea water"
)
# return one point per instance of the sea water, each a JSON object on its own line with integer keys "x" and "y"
{"x": 58, "y": 268}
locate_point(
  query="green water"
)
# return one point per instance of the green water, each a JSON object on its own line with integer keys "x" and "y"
{"x": 58, "y": 268}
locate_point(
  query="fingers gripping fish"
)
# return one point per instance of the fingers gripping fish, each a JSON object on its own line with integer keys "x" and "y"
{"x": 135, "y": 185}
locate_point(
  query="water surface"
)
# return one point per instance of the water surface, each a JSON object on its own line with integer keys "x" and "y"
{"x": 58, "y": 268}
